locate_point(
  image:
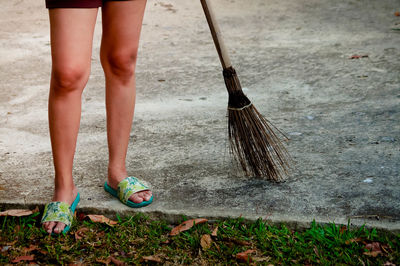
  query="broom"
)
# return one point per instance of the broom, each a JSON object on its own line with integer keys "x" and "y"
{"x": 253, "y": 142}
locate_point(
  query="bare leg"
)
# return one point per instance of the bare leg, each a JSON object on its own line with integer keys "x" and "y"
{"x": 71, "y": 47}
{"x": 122, "y": 23}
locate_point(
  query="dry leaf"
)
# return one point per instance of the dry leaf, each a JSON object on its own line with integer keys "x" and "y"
{"x": 372, "y": 253}
{"x": 342, "y": 229}
{"x": 358, "y": 239}
{"x": 397, "y": 14}
{"x": 186, "y": 225}
{"x": 31, "y": 248}
{"x": 374, "y": 246}
{"x": 261, "y": 259}
{"x": 205, "y": 242}
{"x": 18, "y": 212}
{"x": 116, "y": 261}
{"x": 244, "y": 256}
{"x": 106, "y": 262}
{"x": 152, "y": 259}
{"x": 374, "y": 249}
{"x": 81, "y": 233}
{"x": 214, "y": 232}
{"x": 101, "y": 219}
{"x": 23, "y": 258}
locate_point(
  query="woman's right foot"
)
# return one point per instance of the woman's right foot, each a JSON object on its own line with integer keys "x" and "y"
{"x": 66, "y": 195}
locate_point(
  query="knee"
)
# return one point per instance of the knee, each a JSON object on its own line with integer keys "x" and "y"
{"x": 120, "y": 64}
{"x": 66, "y": 79}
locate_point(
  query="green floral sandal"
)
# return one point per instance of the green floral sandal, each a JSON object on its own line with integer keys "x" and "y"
{"x": 127, "y": 188}
{"x": 60, "y": 212}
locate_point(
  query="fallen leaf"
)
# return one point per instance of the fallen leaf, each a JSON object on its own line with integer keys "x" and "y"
{"x": 186, "y": 225}
{"x": 372, "y": 253}
{"x": 261, "y": 259}
{"x": 155, "y": 258}
{"x": 374, "y": 246}
{"x": 205, "y": 242}
{"x": 214, "y": 232}
{"x": 106, "y": 262}
{"x": 31, "y": 248}
{"x": 397, "y": 13}
{"x": 244, "y": 256}
{"x": 101, "y": 219}
{"x": 23, "y": 258}
{"x": 358, "y": 239}
{"x": 374, "y": 249}
{"x": 342, "y": 229}
{"x": 19, "y": 212}
{"x": 116, "y": 261}
{"x": 81, "y": 233}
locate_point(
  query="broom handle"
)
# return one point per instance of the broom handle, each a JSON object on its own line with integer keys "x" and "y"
{"x": 216, "y": 34}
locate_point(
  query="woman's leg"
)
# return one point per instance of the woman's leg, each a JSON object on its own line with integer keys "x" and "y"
{"x": 71, "y": 33}
{"x": 122, "y": 22}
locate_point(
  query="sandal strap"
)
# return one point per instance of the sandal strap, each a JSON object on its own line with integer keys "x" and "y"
{"x": 128, "y": 187}
{"x": 57, "y": 212}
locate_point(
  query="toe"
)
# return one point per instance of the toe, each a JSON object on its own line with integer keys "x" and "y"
{"x": 136, "y": 198}
{"x": 147, "y": 195}
{"x": 49, "y": 226}
{"x": 59, "y": 228}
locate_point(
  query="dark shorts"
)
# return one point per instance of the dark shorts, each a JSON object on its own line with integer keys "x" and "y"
{"x": 76, "y": 3}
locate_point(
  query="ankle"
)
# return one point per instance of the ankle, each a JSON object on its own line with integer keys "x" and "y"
{"x": 117, "y": 172}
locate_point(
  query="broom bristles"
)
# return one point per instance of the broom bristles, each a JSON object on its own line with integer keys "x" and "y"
{"x": 253, "y": 141}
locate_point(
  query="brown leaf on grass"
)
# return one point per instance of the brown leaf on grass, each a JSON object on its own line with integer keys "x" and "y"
{"x": 244, "y": 256}
{"x": 106, "y": 261}
{"x": 23, "y": 258}
{"x": 19, "y": 212}
{"x": 81, "y": 233}
{"x": 261, "y": 259}
{"x": 356, "y": 56}
{"x": 205, "y": 242}
{"x": 101, "y": 219}
{"x": 116, "y": 261}
{"x": 153, "y": 258}
{"x": 358, "y": 239}
{"x": 374, "y": 249}
{"x": 186, "y": 225}
{"x": 30, "y": 248}
{"x": 215, "y": 232}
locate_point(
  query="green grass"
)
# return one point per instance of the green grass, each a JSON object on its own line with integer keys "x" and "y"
{"x": 137, "y": 236}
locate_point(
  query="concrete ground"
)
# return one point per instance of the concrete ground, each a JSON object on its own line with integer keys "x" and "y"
{"x": 342, "y": 115}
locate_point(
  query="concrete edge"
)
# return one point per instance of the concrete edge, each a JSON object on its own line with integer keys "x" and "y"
{"x": 174, "y": 217}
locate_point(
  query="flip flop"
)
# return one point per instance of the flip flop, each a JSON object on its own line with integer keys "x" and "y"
{"x": 127, "y": 188}
{"x": 59, "y": 211}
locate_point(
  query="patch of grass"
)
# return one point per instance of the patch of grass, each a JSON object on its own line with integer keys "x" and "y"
{"x": 137, "y": 237}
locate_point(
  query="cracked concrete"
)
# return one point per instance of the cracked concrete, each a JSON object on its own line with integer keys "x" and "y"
{"x": 342, "y": 115}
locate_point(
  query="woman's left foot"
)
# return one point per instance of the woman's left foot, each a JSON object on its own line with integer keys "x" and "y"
{"x": 138, "y": 197}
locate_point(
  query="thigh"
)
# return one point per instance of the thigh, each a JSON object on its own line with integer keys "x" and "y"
{"x": 71, "y": 35}
{"x": 122, "y": 23}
